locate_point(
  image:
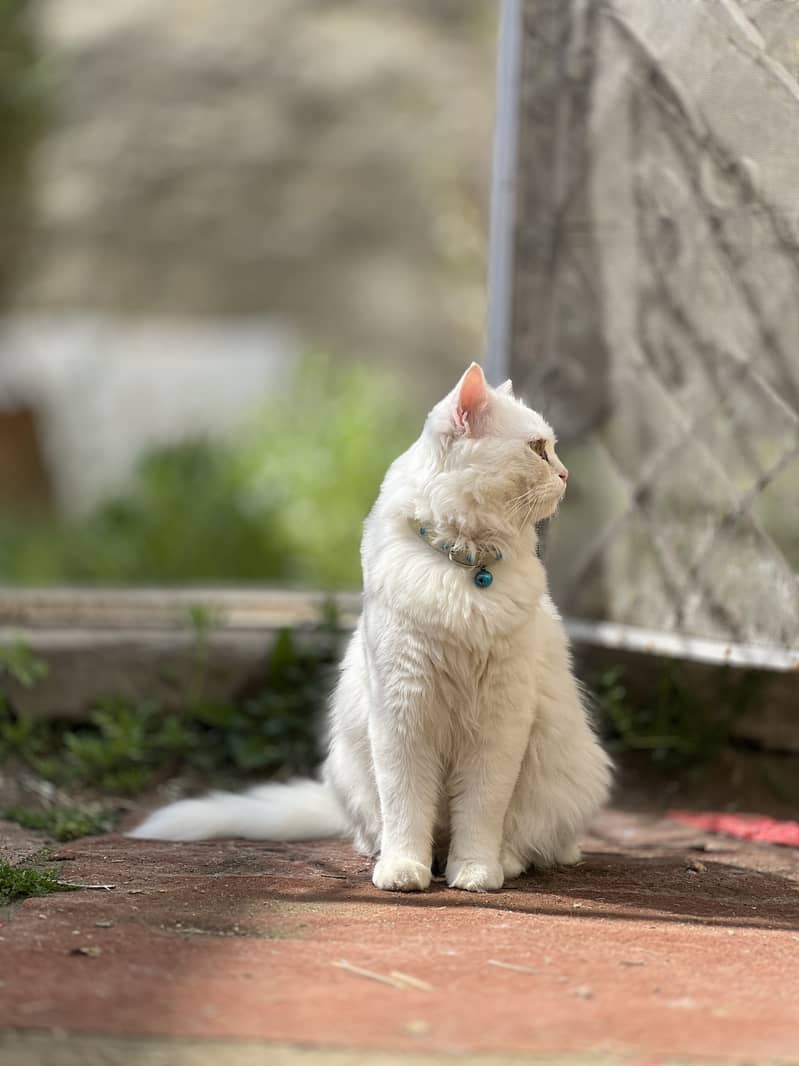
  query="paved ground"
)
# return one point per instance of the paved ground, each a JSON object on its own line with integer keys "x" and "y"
{"x": 665, "y": 943}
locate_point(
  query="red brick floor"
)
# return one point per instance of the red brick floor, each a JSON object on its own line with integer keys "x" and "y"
{"x": 665, "y": 942}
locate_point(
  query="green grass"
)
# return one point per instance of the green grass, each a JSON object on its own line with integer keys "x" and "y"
{"x": 62, "y": 823}
{"x": 19, "y": 882}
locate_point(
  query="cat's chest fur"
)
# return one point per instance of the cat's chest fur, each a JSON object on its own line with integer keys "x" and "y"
{"x": 416, "y": 588}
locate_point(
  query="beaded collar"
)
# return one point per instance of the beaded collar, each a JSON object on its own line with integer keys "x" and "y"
{"x": 476, "y": 561}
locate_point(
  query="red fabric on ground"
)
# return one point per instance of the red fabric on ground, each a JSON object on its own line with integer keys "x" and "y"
{"x": 744, "y": 826}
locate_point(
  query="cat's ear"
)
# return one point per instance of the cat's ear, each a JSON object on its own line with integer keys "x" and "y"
{"x": 505, "y": 389}
{"x": 471, "y": 401}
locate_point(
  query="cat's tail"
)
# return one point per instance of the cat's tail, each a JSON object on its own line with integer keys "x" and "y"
{"x": 299, "y": 810}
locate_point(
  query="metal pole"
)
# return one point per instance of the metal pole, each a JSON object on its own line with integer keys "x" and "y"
{"x": 503, "y": 193}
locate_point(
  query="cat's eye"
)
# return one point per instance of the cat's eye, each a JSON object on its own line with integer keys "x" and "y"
{"x": 540, "y": 448}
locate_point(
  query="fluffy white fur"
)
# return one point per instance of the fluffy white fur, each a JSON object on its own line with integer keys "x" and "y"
{"x": 456, "y": 727}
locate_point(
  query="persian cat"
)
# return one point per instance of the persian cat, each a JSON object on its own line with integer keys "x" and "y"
{"x": 457, "y": 732}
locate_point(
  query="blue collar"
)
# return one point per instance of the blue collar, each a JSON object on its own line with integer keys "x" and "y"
{"x": 476, "y": 561}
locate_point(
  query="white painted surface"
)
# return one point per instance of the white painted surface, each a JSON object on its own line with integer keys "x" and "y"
{"x": 106, "y": 388}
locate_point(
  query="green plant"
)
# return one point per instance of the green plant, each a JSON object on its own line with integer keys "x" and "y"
{"x": 18, "y": 882}
{"x": 202, "y": 620}
{"x": 671, "y": 722}
{"x": 20, "y": 732}
{"x": 277, "y": 729}
{"x": 283, "y": 499}
{"x": 63, "y": 823}
{"x": 123, "y": 746}
{"x": 19, "y": 662}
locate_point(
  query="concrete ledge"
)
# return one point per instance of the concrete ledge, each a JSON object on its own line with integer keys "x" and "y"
{"x": 142, "y": 643}
{"x": 139, "y": 643}
{"x": 155, "y": 608}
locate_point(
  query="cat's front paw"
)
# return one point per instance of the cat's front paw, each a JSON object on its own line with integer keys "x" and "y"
{"x": 474, "y": 876}
{"x": 401, "y": 875}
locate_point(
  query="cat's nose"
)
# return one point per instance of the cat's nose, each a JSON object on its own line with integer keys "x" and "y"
{"x": 563, "y": 475}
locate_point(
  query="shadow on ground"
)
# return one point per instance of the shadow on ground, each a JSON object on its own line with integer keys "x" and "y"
{"x": 649, "y": 947}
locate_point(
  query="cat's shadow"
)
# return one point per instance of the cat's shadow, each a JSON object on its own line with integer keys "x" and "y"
{"x": 607, "y": 885}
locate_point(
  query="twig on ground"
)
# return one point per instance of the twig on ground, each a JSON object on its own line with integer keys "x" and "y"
{"x": 414, "y": 982}
{"x": 342, "y": 964}
{"x": 513, "y": 966}
{"x": 78, "y": 884}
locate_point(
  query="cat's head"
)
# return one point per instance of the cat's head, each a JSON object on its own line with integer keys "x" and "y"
{"x": 496, "y": 452}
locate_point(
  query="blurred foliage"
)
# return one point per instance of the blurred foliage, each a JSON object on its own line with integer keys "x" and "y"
{"x": 22, "y": 80}
{"x": 24, "y": 85}
{"x": 19, "y": 662}
{"x": 63, "y": 823}
{"x": 122, "y": 747}
{"x": 672, "y": 723}
{"x": 283, "y": 499}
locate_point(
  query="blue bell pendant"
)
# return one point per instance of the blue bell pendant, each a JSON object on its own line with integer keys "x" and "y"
{"x": 483, "y": 578}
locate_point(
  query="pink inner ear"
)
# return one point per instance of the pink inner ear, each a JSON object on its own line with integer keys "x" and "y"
{"x": 472, "y": 397}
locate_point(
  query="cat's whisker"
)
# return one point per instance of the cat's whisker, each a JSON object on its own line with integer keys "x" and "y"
{"x": 526, "y": 505}
{"x": 520, "y": 502}
{"x": 530, "y": 510}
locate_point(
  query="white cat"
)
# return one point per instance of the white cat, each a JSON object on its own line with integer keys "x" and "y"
{"x": 457, "y": 727}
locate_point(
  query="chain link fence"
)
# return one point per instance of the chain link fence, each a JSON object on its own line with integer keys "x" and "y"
{"x": 656, "y": 306}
